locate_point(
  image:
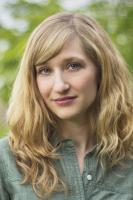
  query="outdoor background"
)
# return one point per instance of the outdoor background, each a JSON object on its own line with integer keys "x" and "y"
{"x": 19, "y": 17}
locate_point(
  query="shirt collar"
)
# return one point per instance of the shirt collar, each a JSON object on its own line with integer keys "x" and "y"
{"x": 56, "y": 141}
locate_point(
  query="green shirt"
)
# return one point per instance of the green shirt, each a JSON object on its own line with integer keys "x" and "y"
{"x": 116, "y": 184}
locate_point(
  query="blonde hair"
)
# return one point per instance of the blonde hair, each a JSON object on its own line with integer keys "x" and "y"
{"x": 32, "y": 124}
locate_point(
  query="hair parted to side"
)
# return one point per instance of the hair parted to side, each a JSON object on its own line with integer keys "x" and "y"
{"x": 32, "y": 124}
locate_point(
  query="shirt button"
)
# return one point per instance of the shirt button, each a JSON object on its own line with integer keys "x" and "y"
{"x": 89, "y": 177}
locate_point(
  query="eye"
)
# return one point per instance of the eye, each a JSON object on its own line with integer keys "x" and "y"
{"x": 44, "y": 71}
{"x": 73, "y": 66}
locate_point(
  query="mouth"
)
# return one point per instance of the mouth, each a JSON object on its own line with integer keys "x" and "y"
{"x": 65, "y": 100}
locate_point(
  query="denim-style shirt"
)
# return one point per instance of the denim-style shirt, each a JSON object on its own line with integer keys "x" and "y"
{"x": 116, "y": 184}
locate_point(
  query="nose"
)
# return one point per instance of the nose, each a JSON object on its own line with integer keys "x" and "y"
{"x": 60, "y": 84}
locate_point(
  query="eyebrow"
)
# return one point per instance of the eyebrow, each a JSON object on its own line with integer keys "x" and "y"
{"x": 65, "y": 60}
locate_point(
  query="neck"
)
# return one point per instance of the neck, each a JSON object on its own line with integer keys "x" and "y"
{"x": 78, "y": 132}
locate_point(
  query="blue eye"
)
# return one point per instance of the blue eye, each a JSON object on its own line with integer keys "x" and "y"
{"x": 44, "y": 71}
{"x": 73, "y": 66}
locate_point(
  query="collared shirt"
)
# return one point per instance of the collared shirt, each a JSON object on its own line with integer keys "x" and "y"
{"x": 115, "y": 184}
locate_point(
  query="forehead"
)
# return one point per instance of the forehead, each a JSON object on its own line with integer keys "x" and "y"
{"x": 71, "y": 50}
{"x": 72, "y": 46}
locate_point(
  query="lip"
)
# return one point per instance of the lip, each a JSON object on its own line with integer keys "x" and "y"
{"x": 64, "y": 101}
{"x": 65, "y": 98}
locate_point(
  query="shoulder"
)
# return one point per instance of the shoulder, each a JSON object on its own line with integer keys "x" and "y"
{"x": 8, "y": 167}
{"x": 5, "y": 151}
{"x": 3, "y": 142}
{"x": 4, "y": 147}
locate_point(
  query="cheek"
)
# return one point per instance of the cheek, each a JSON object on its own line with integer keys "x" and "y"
{"x": 89, "y": 90}
{"x": 86, "y": 83}
{"x": 43, "y": 87}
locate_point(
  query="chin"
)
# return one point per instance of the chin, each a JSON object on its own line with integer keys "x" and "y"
{"x": 67, "y": 116}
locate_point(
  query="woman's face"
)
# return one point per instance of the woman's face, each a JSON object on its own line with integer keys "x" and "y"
{"x": 68, "y": 82}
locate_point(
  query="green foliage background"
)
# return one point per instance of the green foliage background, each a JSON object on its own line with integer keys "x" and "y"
{"x": 115, "y": 16}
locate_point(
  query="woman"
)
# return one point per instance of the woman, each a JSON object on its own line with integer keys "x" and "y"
{"x": 70, "y": 117}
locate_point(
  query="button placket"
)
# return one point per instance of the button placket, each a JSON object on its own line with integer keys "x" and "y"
{"x": 89, "y": 175}
{"x": 72, "y": 171}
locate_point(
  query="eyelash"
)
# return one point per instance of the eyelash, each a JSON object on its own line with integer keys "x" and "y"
{"x": 78, "y": 66}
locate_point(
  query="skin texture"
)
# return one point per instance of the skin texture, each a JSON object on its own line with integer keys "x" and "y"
{"x": 69, "y": 73}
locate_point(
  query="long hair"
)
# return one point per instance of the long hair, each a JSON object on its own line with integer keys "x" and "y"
{"x": 32, "y": 124}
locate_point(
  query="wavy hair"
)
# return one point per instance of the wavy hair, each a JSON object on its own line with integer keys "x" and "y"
{"x": 32, "y": 124}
